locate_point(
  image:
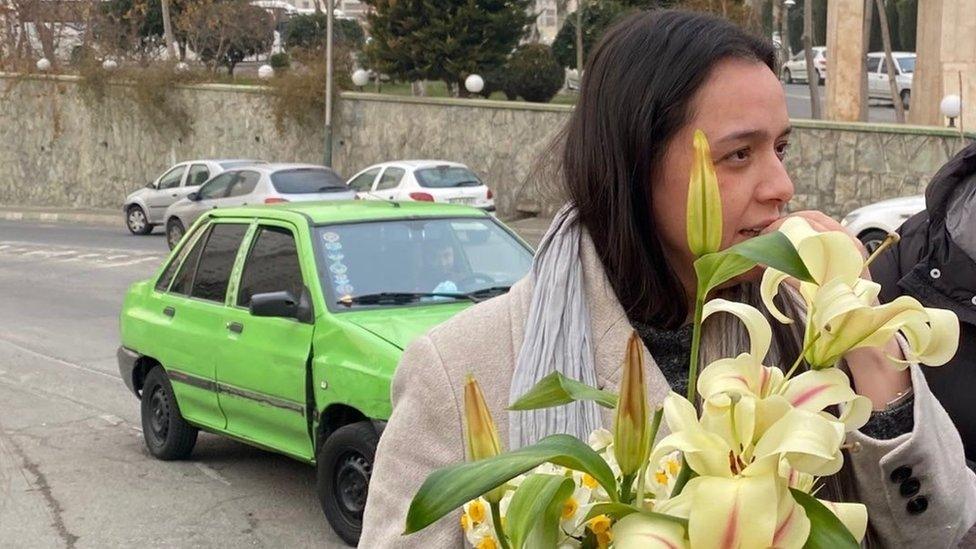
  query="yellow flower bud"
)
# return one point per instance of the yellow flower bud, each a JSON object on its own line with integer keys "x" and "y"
{"x": 603, "y": 539}
{"x": 465, "y": 522}
{"x": 704, "y": 224}
{"x": 590, "y": 482}
{"x": 631, "y": 428}
{"x": 487, "y": 543}
{"x": 477, "y": 512}
{"x": 482, "y": 437}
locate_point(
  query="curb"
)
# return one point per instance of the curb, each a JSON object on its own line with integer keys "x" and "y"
{"x": 63, "y": 217}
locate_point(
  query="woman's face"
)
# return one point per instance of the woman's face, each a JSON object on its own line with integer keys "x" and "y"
{"x": 741, "y": 108}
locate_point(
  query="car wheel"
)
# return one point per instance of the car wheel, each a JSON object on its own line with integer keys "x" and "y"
{"x": 787, "y": 76}
{"x": 872, "y": 239}
{"x": 136, "y": 220}
{"x": 820, "y": 79}
{"x": 168, "y": 436}
{"x": 906, "y": 97}
{"x": 174, "y": 232}
{"x": 343, "y": 469}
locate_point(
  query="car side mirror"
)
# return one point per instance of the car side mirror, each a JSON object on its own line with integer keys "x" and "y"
{"x": 151, "y": 185}
{"x": 193, "y": 196}
{"x": 282, "y": 304}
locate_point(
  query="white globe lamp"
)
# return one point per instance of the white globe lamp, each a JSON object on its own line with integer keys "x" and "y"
{"x": 43, "y": 64}
{"x": 474, "y": 83}
{"x": 360, "y": 78}
{"x": 110, "y": 65}
{"x": 951, "y": 108}
{"x": 182, "y": 67}
{"x": 265, "y": 72}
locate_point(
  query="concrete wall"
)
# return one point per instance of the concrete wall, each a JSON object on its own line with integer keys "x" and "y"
{"x": 58, "y": 150}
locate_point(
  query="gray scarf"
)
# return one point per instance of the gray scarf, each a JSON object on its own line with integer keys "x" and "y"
{"x": 557, "y": 337}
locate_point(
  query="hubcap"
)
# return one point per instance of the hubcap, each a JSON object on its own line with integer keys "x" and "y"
{"x": 872, "y": 245}
{"x": 159, "y": 418}
{"x": 137, "y": 219}
{"x": 175, "y": 234}
{"x": 352, "y": 481}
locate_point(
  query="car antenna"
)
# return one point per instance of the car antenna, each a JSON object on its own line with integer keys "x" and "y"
{"x": 393, "y": 203}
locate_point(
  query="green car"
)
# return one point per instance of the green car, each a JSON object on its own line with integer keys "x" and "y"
{"x": 281, "y": 326}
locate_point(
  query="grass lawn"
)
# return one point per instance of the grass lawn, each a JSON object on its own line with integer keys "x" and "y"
{"x": 439, "y": 89}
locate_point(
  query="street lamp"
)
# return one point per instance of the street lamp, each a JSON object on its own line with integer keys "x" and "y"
{"x": 474, "y": 83}
{"x": 265, "y": 72}
{"x": 43, "y": 64}
{"x": 951, "y": 107}
{"x": 109, "y": 65}
{"x": 360, "y": 78}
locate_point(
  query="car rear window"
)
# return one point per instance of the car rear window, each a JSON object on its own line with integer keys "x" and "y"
{"x": 442, "y": 177}
{"x": 307, "y": 180}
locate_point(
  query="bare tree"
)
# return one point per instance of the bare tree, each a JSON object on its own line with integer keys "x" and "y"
{"x": 890, "y": 63}
{"x": 814, "y": 83}
{"x": 168, "y": 31}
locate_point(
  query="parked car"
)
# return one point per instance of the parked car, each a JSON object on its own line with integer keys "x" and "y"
{"x": 255, "y": 184}
{"x": 145, "y": 208}
{"x": 795, "y": 70}
{"x": 282, "y": 326}
{"x": 878, "y": 81}
{"x": 425, "y": 181}
{"x": 872, "y": 223}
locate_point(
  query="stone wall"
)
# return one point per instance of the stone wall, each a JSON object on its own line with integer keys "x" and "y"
{"x": 60, "y": 150}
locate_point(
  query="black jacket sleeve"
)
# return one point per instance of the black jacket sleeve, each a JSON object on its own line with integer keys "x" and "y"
{"x": 889, "y": 267}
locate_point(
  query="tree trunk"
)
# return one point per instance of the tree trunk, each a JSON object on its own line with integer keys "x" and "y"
{"x": 418, "y": 89}
{"x": 890, "y": 63}
{"x": 865, "y": 47}
{"x": 168, "y": 32}
{"x": 579, "y": 39}
{"x": 813, "y": 77}
{"x": 777, "y": 30}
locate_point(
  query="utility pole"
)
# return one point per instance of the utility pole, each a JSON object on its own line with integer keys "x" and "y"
{"x": 813, "y": 77}
{"x": 330, "y": 12}
{"x": 890, "y": 63}
{"x": 168, "y": 31}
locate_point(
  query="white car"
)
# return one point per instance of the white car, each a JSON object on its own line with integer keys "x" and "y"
{"x": 878, "y": 82}
{"x": 255, "y": 184}
{"x": 423, "y": 180}
{"x": 145, "y": 208}
{"x": 872, "y": 223}
{"x": 795, "y": 70}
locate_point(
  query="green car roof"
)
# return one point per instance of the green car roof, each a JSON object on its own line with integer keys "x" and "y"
{"x": 340, "y": 211}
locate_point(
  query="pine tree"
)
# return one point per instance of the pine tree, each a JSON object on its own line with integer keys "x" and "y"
{"x": 444, "y": 39}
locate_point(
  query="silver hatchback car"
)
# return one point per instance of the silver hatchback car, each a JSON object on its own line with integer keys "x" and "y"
{"x": 145, "y": 208}
{"x": 255, "y": 184}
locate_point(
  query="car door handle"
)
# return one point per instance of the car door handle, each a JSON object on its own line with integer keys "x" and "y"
{"x": 235, "y": 327}
{"x": 176, "y": 195}
{"x": 169, "y": 311}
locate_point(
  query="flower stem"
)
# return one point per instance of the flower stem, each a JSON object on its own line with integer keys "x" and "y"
{"x": 813, "y": 339}
{"x": 683, "y": 477}
{"x": 626, "y": 484}
{"x": 496, "y": 521}
{"x": 655, "y": 425}
{"x": 889, "y": 241}
{"x": 695, "y": 344}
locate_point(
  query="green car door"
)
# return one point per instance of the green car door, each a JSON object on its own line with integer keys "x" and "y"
{"x": 262, "y": 361}
{"x": 192, "y": 315}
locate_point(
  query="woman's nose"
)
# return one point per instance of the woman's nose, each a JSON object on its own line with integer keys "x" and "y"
{"x": 776, "y": 185}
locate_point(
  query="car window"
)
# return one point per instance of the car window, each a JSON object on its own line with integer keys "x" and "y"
{"x": 184, "y": 279}
{"x": 391, "y": 178}
{"x": 271, "y": 266}
{"x": 172, "y": 178}
{"x": 217, "y": 260}
{"x": 307, "y": 180}
{"x": 364, "y": 181}
{"x": 884, "y": 65}
{"x": 244, "y": 183}
{"x": 446, "y": 176}
{"x": 163, "y": 283}
{"x": 218, "y": 186}
{"x": 799, "y": 56}
{"x": 199, "y": 174}
{"x": 906, "y": 64}
{"x": 873, "y": 63}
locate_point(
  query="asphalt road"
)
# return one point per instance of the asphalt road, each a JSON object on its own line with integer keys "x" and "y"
{"x": 798, "y": 104}
{"x": 74, "y": 471}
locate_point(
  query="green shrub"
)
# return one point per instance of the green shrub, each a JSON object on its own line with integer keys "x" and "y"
{"x": 280, "y": 62}
{"x": 535, "y": 74}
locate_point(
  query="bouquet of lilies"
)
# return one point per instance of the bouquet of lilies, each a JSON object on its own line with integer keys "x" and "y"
{"x": 745, "y": 449}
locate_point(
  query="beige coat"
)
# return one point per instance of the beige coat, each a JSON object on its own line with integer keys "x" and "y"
{"x": 425, "y": 431}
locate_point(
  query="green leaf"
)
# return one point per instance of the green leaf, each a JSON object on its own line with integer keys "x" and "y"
{"x": 773, "y": 249}
{"x": 826, "y": 530}
{"x": 621, "y": 510}
{"x": 556, "y": 389}
{"x": 535, "y": 510}
{"x": 448, "y": 488}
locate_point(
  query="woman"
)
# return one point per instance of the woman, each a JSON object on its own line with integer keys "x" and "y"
{"x": 617, "y": 259}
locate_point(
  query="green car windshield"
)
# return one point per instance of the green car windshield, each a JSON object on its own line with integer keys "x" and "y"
{"x": 409, "y": 261}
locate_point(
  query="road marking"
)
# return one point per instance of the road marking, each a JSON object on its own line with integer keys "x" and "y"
{"x": 107, "y": 258}
{"x": 60, "y": 361}
{"x": 212, "y": 473}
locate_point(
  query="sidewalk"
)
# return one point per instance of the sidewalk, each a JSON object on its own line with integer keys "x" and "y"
{"x": 63, "y": 215}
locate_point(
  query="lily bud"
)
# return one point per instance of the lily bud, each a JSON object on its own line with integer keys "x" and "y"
{"x": 630, "y": 431}
{"x": 479, "y": 431}
{"x": 704, "y": 225}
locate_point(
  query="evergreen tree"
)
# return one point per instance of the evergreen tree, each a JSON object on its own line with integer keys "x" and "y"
{"x": 308, "y": 32}
{"x": 597, "y": 18}
{"x": 444, "y": 39}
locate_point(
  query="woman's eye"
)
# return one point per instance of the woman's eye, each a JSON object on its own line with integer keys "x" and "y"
{"x": 782, "y": 149}
{"x": 739, "y": 155}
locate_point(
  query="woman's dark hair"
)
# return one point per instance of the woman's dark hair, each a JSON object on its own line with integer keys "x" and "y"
{"x": 637, "y": 89}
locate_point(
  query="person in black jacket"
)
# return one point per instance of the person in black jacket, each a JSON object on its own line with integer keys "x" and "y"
{"x": 935, "y": 262}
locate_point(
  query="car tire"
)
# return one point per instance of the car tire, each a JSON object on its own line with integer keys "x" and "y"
{"x": 906, "y": 98}
{"x": 137, "y": 221}
{"x": 872, "y": 238}
{"x": 174, "y": 232}
{"x": 343, "y": 467}
{"x": 168, "y": 436}
{"x": 787, "y": 76}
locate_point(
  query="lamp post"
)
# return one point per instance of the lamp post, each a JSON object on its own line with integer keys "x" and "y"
{"x": 43, "y": 64}
{"x": 330, "y": 13}
{"x": 951, "y": 108}
{"x": 109, "y": 65}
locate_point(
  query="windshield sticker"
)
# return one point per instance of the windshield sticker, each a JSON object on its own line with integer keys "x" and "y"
{"x": 338, "y": 268}
{"x": 335, "y": 256}
{"x": 340, "y": 279}
{"x": 344, "y": 289}
{"x": 333, "y": 246}
{"x": 330, "y": 237}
